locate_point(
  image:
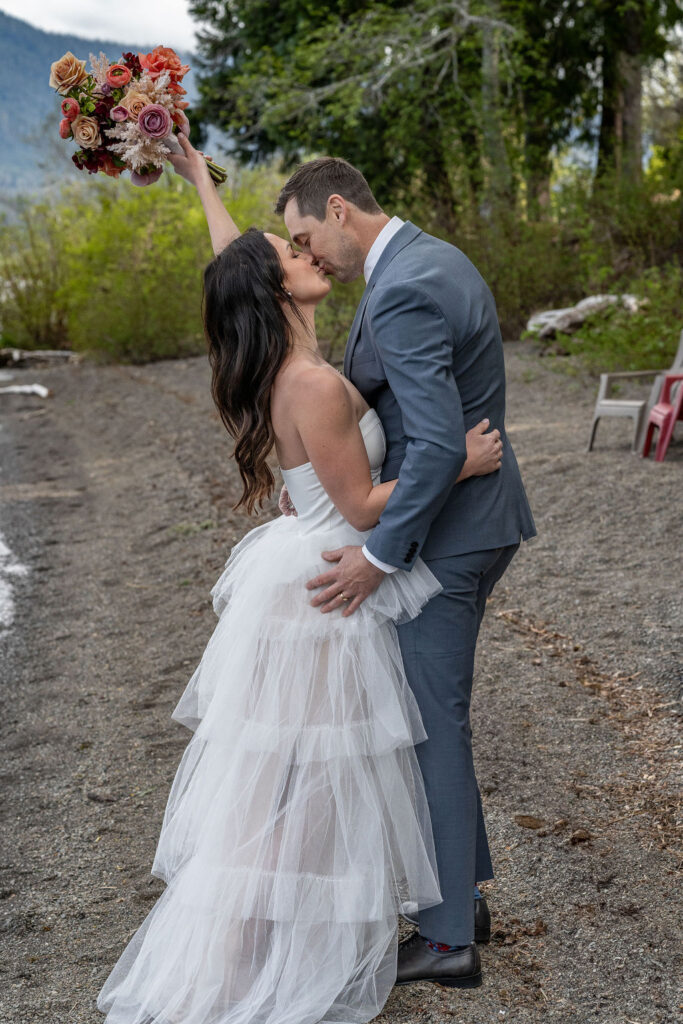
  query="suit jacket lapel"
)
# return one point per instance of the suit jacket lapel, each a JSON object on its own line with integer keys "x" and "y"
{"x": 354, "y": 333}
{"x": 399, "y": 241}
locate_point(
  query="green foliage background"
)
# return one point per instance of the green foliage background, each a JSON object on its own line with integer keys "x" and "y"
{"x": 460, "y": 115}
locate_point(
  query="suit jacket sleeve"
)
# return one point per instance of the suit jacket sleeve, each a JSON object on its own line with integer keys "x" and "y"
{"x": 415, "y": 346}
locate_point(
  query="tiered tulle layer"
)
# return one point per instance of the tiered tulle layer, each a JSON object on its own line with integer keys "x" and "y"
{"x": 297, "y": 821}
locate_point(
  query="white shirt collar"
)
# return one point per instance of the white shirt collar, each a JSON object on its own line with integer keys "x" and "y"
{"x": 380, "y": 244}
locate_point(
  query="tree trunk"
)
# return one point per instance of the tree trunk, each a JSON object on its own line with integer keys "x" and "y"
{"x": 538, "y": 165}
{"x": 610, "y": 127}
{"x": 630, "y": 76}
{"x": 471, "y": 153}
{"x": 494, "y": 144}
{"x": 620, "y": 143}
{"x": 439, "y": 187}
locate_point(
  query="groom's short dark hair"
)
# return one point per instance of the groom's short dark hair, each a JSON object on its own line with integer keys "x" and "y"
{"x": 314, "y": 182}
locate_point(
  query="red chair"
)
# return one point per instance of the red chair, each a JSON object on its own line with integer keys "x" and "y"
{"x": 664, "y": 415}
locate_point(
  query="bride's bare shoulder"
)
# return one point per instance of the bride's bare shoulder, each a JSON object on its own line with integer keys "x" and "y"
{"x": 302, "y": 384}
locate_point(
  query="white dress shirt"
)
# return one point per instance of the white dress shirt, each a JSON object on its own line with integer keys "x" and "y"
{"x": 380, "y": 244}
{"x": 376, "y": 250}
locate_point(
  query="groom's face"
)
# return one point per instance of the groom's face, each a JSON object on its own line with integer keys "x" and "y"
{"x": 330, "y": 242}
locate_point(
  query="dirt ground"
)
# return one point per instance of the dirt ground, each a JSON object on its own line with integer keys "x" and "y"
{"x": 115, "y": 494}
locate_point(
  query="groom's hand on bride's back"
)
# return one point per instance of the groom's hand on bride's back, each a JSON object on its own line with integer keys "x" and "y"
{"x": 352, "y": 579}
{"x": 484, "y": 451}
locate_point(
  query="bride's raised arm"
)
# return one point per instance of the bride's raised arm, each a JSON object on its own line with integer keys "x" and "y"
{"x": 191, "y": 165}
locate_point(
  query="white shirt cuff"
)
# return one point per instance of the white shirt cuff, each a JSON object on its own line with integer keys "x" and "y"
{"x": 375, "y": 561}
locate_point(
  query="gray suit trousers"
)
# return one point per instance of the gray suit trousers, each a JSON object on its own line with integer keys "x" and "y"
{"x": 438, "y": 653}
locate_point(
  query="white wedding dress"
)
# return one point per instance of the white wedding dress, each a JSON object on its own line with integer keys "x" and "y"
{"x": 297, "y": 822}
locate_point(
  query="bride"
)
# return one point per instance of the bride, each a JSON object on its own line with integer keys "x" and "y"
{"x": 297, "y": 822}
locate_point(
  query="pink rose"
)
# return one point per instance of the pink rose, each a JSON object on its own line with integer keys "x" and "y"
{"x": 118, "y": 75}
{"x": 118, "y": 113}
{"x": 70, "y": 108}
{"x": 65, "y": 128}
{"x": 154, "y": 121}
{"x": 145, "y": 179}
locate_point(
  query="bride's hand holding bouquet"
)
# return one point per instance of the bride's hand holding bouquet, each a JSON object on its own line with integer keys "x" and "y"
{"x": 190, "y": 163}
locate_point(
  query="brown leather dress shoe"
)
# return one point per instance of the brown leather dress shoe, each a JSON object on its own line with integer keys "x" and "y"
{"x": 482, "y": 919}
{"x": 417, "y": 962}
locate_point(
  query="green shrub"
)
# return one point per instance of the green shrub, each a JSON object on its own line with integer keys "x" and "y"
{"x": 32, "y": 273}
{"x": 618, "y": 340}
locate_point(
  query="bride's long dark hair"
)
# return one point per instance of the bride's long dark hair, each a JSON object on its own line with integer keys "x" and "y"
{"x": 249, "y": 337}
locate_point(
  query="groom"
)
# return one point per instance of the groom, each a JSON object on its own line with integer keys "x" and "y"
{"x": 425, "y": 351}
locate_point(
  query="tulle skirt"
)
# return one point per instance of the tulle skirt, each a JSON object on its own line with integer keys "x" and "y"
{"x": 297, "y": 822}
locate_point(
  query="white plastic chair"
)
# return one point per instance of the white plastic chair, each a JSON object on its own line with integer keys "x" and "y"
{"x": 631, "y": 408}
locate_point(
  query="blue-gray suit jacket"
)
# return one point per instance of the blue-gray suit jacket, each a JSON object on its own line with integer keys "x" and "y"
{"x": 425, "y": 351}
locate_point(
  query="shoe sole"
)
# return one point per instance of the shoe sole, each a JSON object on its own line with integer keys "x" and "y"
{"x": 481, "y": 938}
{"x": 474, "y": 981}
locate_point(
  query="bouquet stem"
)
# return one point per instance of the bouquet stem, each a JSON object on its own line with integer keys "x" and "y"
{"x": 218, "y": 173}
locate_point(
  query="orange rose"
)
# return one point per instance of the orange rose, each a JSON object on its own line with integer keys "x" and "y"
{"x": 118, "y": 75}
{"x": 109, "y": 167}
{"x": 163, "y": 58}
{"x": 67, "y": 72}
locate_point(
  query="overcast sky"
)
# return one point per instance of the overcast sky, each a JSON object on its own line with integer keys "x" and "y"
{"x": 167, "y": 24}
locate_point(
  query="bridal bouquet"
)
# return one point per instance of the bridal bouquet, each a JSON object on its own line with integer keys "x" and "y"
{"x": 124, "y": 116}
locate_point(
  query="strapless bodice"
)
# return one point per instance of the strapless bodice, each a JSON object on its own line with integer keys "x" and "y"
{"x": 314, "y": 507}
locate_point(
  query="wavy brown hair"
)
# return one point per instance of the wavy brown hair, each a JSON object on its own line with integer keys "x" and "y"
{"x": 249, "y": 336}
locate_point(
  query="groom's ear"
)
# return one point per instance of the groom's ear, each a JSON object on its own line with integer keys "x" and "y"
{"x": 337, "y": 209}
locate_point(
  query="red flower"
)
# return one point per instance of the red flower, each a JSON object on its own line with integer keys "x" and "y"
{"x": 91, "y": 160}
{"x": 132, "y": 61}
{"x": 103, "y": 108}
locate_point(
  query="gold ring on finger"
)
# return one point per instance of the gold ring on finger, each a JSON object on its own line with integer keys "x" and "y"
{"x": 344, "y": 597}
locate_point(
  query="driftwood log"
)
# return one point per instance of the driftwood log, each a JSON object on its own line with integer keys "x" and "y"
{"x": 35, "y": 357}
{"x": 566, "y": 321}
{"x": 27, "y": 389}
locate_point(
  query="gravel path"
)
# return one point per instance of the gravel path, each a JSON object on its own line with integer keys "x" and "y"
{"x": 116, "y": 494}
